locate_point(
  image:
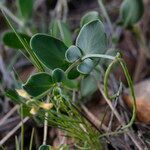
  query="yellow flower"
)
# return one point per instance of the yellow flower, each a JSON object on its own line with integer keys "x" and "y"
{"x": 46, "y": 106}
{"x": 23, "y": 93}
{"x": 33, "y": 110}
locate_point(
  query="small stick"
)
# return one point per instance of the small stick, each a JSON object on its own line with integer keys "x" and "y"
{"x": 133, "y": 138}
{"x": 46, "y": 124}
{"x": 13, "y": 131}
{"x": 93, "y": 118}
{"x": 11, "y": 15}
{"x": 8, "y": 114}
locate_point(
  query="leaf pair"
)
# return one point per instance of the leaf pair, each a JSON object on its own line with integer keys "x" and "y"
{"x": 92, "y": 39}
{"x": 40, "y": 83}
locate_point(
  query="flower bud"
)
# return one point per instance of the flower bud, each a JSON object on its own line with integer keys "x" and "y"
{"x": 33, "y": 110}
{"x": 23, "y": 93}
{"x": 46, "y": 106}
{"x": 57, "y": 91}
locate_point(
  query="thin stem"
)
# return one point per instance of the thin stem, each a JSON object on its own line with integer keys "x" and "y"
{"x": 82, "y": 114}
{"x": 13, "y": 131}
{"x": 130, "y": 83}
{"x": 46, "y": 123}
{"x": 113, "y": 133}
{"x": 16, "y": 143}
{"x": 11, "y": 15}
{"x": 120, "y": 119}
{"x": 31, "y": 139}
{"x": 8, "y": 114}
{"x": 93, "y": 118}
{"x": 109, "y": 69}
{"x": 88, "y": 56}
{"x": 98, "y": 56}
{"x": 127, "y": 75}
{"x": 22, "y": 129}
{"x": 72, "y": 66}
{"x": 25, "y": 45}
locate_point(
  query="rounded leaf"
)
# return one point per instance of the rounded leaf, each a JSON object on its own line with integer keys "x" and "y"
{"x": 58, "y": 75}
{"x": 49, "y": 50}
{"x": 10, "y": 39}
{"x": 73, "y": 53}
{"x": 88, "y": 17}
{"x": 131, "y": 12}
{"x": 86, "y": 66}
{"x": 92, "y": 38}
{"x": 38, "y": 84}
{"x": 44, "y": 147}
{"x": 70, "y": 84}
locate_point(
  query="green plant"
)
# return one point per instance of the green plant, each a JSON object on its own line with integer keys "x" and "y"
{"x": 48, "y": 93}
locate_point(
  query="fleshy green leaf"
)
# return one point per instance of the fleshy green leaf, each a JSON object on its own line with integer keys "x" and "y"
{"x": 131, "y": 12}
{"x": 10, "y": 39}
{"x": 38, "y": 84}
{"x": 13, "y": 95}
{"x": 26, "y": 7}
{"x": 49, "y": 50}
{"x": 70, "y": 84}
{"x": 92, "y": 38}
{"x": 86, "y": 66}
{"x": 45, "y": 147}
{"x": 61, "y": 30}
{"x": 58, "y": 75}
{"x": 73, "y": 53}
{"x": 88, "y": 17}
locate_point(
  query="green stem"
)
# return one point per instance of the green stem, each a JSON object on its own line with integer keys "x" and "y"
{"x": 31, "y": 139}
{"x": 88, "y": 56}
{"x": 130, "y": 83}
{"x": 127, "y": 75}
{"x": 36, "y": 62}
{"x": 11, "y": 15}
{"x": 72, "y": 66}
{"x": 22, "y": 129}
{"x": 108, "y": 71}
{"x": 113, "y": 133}
{"x": 98, "y": 56}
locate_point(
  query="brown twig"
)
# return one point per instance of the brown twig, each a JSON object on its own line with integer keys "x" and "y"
{"x": 13, "y": 131}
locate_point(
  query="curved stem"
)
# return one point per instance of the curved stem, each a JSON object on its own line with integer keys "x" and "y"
{"x": 98, "y": 56}
{"x": 108, "y": 71}
{"x": 72, "y": 66}
{"x": 88, "y": 56}
{"x": 127, "y": 75}
{"x": 130, "y": 83}
{"x": 113, "y": 133}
